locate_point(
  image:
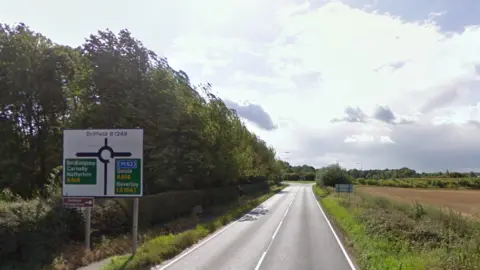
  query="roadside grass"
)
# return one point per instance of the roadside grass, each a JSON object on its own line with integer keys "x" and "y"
{"x": 389, "y": 235}
{"x": 75, "y": 256}
{"x": 164, "y": 247}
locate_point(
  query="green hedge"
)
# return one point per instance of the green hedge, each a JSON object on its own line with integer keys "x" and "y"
{"x": 156, "y": 209}
{"x": 31, "y": 231}
{"x": 35, "y": 231}
{"x": 469, "y": 183}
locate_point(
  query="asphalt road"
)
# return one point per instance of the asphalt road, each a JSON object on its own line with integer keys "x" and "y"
{"x": 292, "y": 234}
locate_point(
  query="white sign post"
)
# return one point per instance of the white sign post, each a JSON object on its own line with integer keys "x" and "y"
{"x": 103, "y": 163}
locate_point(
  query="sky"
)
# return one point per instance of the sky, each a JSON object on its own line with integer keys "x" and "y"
{"x": 365, "y": 83}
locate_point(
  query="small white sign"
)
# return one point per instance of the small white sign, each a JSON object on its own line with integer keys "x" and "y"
{"x": 103, "y": 163}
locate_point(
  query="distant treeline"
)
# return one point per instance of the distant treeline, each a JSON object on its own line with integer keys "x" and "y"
{"x": 298, "y": 173}
{"x": 425, "y": 182}
{"x": 405, "y": 173}
{"x": 306, "y": 172}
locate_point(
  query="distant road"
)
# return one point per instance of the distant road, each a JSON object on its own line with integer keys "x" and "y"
{"x": 293, "y": 234}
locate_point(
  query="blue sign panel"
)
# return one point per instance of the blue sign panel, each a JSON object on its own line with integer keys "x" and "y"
{"x": 126, "y": 164}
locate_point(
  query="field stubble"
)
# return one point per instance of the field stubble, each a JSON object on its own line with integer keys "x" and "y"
{"x": 467, "y": 202}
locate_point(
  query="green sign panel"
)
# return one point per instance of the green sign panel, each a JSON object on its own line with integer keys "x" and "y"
{"x": 128, "y": 176}
{"x": 348, "y": 188}
{"x": 80, "y": 171}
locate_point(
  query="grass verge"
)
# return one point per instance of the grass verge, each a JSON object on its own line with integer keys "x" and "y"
{"x": 388, "y": 235}
{"x": 164, "y": 247}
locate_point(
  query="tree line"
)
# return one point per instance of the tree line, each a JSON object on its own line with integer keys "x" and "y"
{"x": 405, "y": 173}
{"x": 191, "y": 139}
{"x": 403, "y": 177}
{"x": 306, "y": 172}
{"x": 297, "y": 173}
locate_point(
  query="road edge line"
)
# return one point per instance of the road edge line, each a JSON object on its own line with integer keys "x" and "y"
{"x": 197, "y": 246}
{"x": 349, "y": 260}
{"x": 202, "y": 242}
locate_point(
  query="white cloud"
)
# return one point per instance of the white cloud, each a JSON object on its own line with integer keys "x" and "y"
{"x": 386, "y": 139}
{"x": 304, "y": 65}
{"x": 359, "y": 138}
{"x": 363, "y": 60}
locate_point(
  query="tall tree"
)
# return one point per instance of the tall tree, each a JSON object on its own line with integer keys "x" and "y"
{"x": 191, "y": 139}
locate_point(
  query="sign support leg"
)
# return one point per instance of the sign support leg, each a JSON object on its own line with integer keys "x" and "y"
{"x": 88, "y": 219}
{"x": 135, "y": 225}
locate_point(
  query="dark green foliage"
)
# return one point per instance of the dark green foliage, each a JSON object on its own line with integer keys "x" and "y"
{"x": 406, "y": 173}
{"x": 30, "y": 231}
{"x": 331, "y": 175}
{"x": 383, "y": 174}
{"x": 35, "y": 230}
{"x": 191, "y": 139}
{"x": 296, "y": 173}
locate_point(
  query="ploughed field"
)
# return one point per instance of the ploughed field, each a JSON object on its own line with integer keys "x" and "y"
{"x": 465, "y": 201}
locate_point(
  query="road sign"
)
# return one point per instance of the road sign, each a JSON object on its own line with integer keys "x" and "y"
{"x": 344, "y": 188}
{"x": 103, "y": 163}
{"x": 76, "y": 202}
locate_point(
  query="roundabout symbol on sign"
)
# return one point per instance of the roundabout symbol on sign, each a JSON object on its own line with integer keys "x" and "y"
{"x": 104, "y": 154}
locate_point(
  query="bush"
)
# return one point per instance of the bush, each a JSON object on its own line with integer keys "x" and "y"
{"x": 333, "y": 174}
{"x": 420, "y": 184}
{"x": 110, "y": 217}
{"x": 404, "y": 184}
{"x": 388, "y": 183}
{"x": 255, "y": 188}
{"x": 33, "y": 231}
{"x": 372, "y": 182}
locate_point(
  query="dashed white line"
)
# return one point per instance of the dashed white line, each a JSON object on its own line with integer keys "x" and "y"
{"x": 261, "y": 260}
{"x": 278, "y": 228}
{"x": 275, "y": 234}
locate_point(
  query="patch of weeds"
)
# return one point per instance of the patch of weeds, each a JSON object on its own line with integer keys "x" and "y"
{"x": 391, "y": 235}
{"x": 372, "y": 251}
{"x": 320, "y": 191}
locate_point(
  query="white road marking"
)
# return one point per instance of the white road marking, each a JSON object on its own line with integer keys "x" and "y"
{"x": 275, "y": 233}
{"x": 261, "y": 260}
{"x": 335, "y": 235}
{"x": 196, "y": 247}
{"x": 278, "y": 228}
{"x": 201, "y": 244}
